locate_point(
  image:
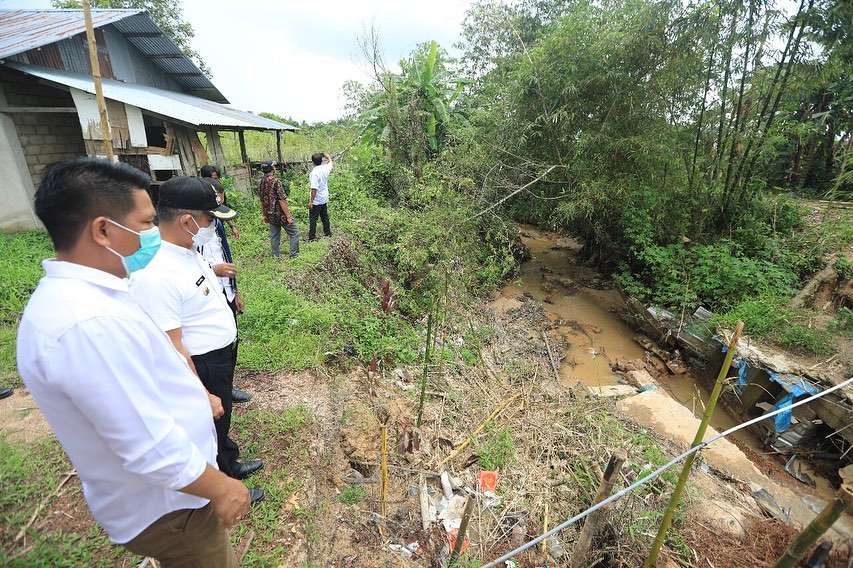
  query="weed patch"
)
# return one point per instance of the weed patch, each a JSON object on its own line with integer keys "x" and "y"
{"x": 769, "y": 316}
{"x": 351, "y": 495}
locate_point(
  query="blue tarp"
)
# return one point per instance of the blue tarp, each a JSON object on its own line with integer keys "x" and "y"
{"x": 794, "y": 385}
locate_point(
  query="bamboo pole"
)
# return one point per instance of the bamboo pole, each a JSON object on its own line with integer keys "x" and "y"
{"x": 820, "y": 524}
{"x": 96, "y": 76}
{"x": 384, "y": 485}
{"x": 593, "y": 522}
{"x": 700, "y": 434}
{"x": 427, "y": 349}
{"x": 544, "y": 543}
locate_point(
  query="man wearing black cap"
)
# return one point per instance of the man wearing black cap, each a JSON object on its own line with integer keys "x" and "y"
{"x": 179, "y": 291}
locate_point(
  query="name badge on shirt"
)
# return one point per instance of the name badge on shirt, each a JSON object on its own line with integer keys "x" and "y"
{"x": 200, "y": 280}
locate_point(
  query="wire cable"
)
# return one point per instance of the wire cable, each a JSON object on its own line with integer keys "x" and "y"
{"x": 659, "y": 471}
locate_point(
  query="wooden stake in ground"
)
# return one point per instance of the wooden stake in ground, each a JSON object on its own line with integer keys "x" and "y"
{"x": 700, "y": 435}
{"x": 816, "y": 528}
{"x": 544, "y": 543}
{"x": 463, "y": 528}
{"x": 96, "y": 76}
{"x": 424, "y": 499}
{"x": 593, "y": 522}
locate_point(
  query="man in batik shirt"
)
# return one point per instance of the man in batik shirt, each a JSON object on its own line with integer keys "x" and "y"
{"x": 276, "y": 212}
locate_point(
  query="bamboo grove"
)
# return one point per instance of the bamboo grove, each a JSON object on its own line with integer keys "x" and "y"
{"x": 668, "y": 129}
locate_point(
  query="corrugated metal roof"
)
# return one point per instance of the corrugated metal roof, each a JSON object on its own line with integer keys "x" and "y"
{"x": 22, "y": 30}
{"x": 178, "y": 106}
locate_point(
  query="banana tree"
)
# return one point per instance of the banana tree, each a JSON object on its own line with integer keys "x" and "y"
{"x": 415, "y": 109}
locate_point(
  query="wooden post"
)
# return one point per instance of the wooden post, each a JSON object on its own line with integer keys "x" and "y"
{"x": 593, "y": 522}
{"x": 278, "y": 145}
{"x": 816, "y": 528}
{"x": 96, "y": 76}
{"x": 463, "y": 528}
{"x": 688, "y": 463}
{"x": 243, "y": 155}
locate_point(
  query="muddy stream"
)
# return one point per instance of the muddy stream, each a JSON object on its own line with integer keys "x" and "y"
{"x": 586, "y": 316}
{"x": 584, "y": 310}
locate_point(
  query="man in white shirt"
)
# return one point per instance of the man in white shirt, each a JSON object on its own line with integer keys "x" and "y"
{"x": 181, "y": 294}
{"x": 217, "y": 253}
{"x": 132, "y": 417}
{"x": 318, "y": 204}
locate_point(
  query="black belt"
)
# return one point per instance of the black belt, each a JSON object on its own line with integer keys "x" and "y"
{"x": 218, "y": 352}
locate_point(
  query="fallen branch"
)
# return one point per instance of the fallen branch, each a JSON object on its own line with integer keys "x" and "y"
{"x": 41, "y": 506}
{"x": 244, "y": 546}
{"x": 551, "y": 357}
{"x": 826, "y": 275}
{"x": 517, "y": 191}
{"x": 462, "y": 446}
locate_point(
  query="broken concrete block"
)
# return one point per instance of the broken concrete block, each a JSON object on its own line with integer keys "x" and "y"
{"x": 641, "y": 379}
{"x": 613, "y": 391}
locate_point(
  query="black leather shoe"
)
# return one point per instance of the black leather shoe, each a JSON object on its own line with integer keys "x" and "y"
{"x": 238, "y": 395}
{"x": 245, "y": 469}
{"x": 6, "y": 393}
{"x": 256, "y": 495}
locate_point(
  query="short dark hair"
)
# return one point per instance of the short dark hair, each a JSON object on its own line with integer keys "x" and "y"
{"x": 167, "y": 214}
{"x": 215, "y": 184}
{"x": 207, "y": 171}
{"x": 73, "y": 193}
{"x": 317, "y": 158}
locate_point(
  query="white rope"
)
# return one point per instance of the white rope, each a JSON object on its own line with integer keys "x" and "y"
{"x": 659, "y": 471}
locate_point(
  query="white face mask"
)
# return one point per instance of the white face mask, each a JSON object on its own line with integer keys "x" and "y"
{"x": 204, "y": 234}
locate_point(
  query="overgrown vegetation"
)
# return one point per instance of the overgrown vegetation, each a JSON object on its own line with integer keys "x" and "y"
{"x": 328, "y": 301}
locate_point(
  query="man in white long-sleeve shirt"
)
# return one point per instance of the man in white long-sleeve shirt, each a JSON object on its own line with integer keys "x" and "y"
{"x": 133, "y": 418}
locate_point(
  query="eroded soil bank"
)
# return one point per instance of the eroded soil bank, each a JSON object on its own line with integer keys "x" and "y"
{"x": 598, "y": 345}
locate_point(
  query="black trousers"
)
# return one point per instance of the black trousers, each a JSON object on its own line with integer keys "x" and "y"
{"x": 233, "y": 305}
{"x": 216, "y": 370}
{"x": 321, "y": 211}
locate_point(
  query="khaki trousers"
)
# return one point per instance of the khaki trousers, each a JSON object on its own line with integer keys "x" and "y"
{"x": 188, "y": 538}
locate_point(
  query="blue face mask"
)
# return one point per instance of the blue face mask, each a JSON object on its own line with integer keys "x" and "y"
{"x": 149, "y": 244}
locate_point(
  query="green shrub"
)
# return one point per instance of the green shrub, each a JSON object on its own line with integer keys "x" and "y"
{"x": 351, "y": 495}
{"x": 498, "y": 451}
{"x": 843, "y": 321}
{"x": 843, "y": 268}
{"x": 20, "y": 265}
{"x": 770, "y": 316}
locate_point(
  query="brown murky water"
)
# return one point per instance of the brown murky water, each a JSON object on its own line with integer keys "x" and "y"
{"x": 586, "y": 316}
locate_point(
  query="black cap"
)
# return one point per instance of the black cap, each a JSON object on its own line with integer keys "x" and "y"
{"x": 194, "y": 194}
